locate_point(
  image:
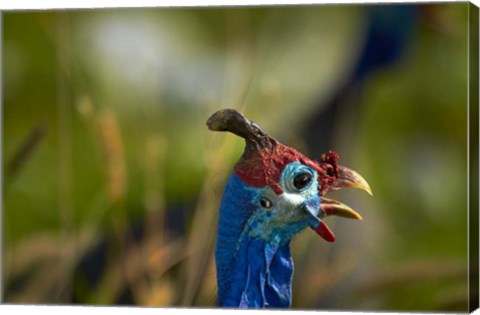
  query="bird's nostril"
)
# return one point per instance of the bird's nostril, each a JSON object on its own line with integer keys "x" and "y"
{"x": 330, "y": 170}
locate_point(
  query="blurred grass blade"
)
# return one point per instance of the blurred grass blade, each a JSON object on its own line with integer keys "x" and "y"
{"x": 25, "y": 150}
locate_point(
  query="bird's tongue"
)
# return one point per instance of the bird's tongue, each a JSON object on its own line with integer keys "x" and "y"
{"x": 345, "y": 178}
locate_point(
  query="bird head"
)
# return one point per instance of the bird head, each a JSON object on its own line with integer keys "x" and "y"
{"x": 289, "y": 187}
{"x": 274, "y": 193}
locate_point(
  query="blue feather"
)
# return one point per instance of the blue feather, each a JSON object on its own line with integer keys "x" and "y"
{"x": 254, "y": 264}
{"x": 237, "y": 205}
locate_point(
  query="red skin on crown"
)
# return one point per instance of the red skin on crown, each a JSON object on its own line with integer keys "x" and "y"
{"x": 259, "y": 168}
{"x": 263, "y": 167}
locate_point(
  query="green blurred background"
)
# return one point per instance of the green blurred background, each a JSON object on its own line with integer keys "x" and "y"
{"x": 112, "y": 181}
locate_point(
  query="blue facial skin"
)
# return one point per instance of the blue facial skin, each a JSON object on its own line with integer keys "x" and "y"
{"x": 254, "y": 264}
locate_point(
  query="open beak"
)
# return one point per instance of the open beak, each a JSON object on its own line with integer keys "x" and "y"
{"x": 333, "y": 207}
{"x": 346, "y": 178}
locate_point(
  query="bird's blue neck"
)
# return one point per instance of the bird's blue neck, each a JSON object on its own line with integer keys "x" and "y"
{"x": 261, "y": 275}
{"x": 252, "y": 271}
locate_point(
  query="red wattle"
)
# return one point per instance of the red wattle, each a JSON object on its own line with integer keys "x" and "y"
{"x": 324, "y": 231}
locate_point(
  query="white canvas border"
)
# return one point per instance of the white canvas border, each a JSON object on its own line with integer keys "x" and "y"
{"x": 20, "y": 5}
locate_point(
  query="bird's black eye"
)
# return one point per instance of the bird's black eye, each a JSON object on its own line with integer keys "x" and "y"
{"x": 265, "y": 203}
{"x": 302, "y": 180}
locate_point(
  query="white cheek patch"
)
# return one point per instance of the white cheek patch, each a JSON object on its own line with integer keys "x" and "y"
{"x": 286, "y": 206}
{"x": 290, "y": 201}
{"x": 285, "y": 201}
